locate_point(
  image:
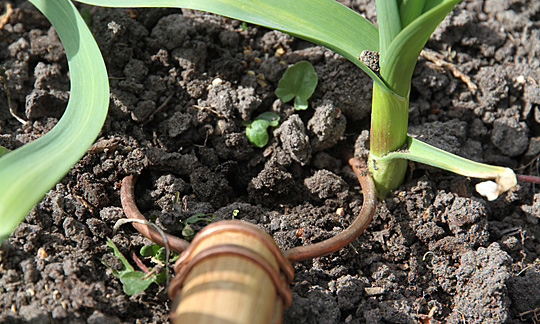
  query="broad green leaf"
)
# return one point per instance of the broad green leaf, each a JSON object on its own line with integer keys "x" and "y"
{"x": 299, "y": 81}
{"x": 398, "y": 62}
{"x": 324, "y": 22}
{"x": 256, "y": 130}
{"x": 134, "y": 282}
{"x": 27, "y": 173}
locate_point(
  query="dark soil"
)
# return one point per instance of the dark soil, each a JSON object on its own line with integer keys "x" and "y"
{"x": 434, "y": 244}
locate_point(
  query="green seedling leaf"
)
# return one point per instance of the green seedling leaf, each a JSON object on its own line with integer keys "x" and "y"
{"x": 188, "y": 231}
{"x": 409, "y": 10}
{"x": 299, "y": 81}
{"x": 419, "y": 151}
{"x": 3, "y": 151}
{"x": 119, "y": 255}
{"x": 398, "y": 60}
{"x": 161, "y": 255}
{"x": 149, "y": 251}
{"x": 158, "y": 252}
{"x": 135, "y": 282}
{"x": 256, "y": 130}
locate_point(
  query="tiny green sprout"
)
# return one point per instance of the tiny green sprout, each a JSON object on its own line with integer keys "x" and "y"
{"x": 299, "y": 81}
{"x": 243, "y": 26}
{"x": 133, "y": 281}
{"x": 235, "y": 213}
{"x": 256, "y": 130}
{"x": 176, "y": 199}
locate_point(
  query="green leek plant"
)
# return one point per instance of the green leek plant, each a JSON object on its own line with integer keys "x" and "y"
{"x": 404, "y": 28}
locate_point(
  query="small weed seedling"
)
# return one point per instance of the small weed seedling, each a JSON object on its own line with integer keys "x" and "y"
{"x": 256, "y": 130}
{"x": 134, "y": 281}
{"x": 298, "y": 82}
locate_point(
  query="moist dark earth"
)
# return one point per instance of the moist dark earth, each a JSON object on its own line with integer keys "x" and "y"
{"x": 182, "y": 82}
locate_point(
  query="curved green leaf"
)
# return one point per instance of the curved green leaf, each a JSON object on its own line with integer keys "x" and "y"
{"x": 419, "y": 151}
{"x": 135, "y": 282}
{"x": 324, "y": 22}
{"x": 398, "y": 62}
{"x": 27, "y": 173}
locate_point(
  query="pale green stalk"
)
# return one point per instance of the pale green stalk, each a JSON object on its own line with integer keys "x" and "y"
{"x": 400, "y": 44}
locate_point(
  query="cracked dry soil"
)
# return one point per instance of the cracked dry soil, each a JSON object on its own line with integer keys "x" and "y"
{"x": 183, "y": 81}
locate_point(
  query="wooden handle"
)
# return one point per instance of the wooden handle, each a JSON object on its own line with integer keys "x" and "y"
{"x": 232, "y": 272}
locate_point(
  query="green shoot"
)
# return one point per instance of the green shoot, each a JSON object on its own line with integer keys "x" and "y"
{"x": 243, "y": 26}
{"x": 133, "y": 281}
{"x": 299, "y": 82}
{"x": 256, "y": 130}
{"x": 404, "y": 28}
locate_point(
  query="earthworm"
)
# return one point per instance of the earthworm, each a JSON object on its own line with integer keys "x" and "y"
{"x": 350, "y": 234}
{"x": 127, "y": 197}
{"x": 295, "y": 254}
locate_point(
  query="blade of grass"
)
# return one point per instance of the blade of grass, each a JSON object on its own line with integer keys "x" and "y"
{"x": 324, "y": 22}
{"x": 27, "y": 173}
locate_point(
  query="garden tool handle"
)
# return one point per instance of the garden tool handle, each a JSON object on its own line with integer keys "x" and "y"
{"x": 232, "y": 272}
